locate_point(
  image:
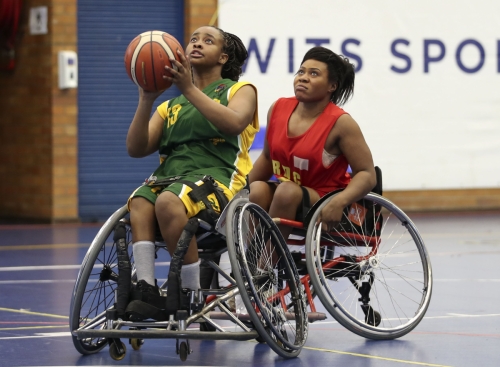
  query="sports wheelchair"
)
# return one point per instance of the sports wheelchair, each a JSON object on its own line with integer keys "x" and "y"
{"x": 270, "y": 289}
{"x": 372, "y": 272}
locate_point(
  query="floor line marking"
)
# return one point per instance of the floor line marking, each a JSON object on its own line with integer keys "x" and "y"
{"x": 60, "y": 333}
{"x": 27, "y": 312}
{"x": 38, "y": 281}
{"x": 60, "y": 267}
{"x": 38, "y": 335}
{"x": 43, "y": 246}
{"x": 40, "y": 267}
{"x": 33, "y": 327}
{"x": 31, "y": 322}
{"x": 162, "y": 279}
{"x": 375, "y": 357}
{"x": 466, "y": 315}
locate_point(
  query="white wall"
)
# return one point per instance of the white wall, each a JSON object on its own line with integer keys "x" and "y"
{"x": 436, "y": 128}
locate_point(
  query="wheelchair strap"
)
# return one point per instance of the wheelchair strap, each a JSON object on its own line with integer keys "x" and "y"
{"x": 163, "y": 182}
{"x": 199, "y": 193}
{"x": 305, "y": 205}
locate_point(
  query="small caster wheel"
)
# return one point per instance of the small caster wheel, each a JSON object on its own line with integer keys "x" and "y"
{"x": 183, "y": 351}
{"x": 373, "y": 318}
{"x": 115, "y": 354}
{"x": 136, "y": 343}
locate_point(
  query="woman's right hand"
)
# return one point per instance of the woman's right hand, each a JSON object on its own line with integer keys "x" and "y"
{"x": 331, "y": 215}
{"x": 148, "y": 96}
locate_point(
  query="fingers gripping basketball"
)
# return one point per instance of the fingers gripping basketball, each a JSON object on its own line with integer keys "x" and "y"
{"x": 146, "y": 57}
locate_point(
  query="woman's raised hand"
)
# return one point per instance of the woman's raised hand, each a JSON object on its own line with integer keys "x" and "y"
{"x": 181, "y": 77}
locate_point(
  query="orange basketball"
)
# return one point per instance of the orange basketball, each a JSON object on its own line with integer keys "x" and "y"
{"x": 146, "y": 57}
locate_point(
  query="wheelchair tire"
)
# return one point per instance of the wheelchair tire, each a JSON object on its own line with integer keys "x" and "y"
{"x": 94, "y": 290}
{"x": 375, "y": 253}
{"x": 249, "y": 233}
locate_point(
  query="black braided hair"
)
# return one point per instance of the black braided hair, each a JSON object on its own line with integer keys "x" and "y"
{"x": 340, "y": 72}
{"x": 237, "y": 55}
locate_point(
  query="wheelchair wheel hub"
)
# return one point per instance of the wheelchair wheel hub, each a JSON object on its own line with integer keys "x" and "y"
{"x": 272, "y": 277}
{"x": 106, "y": 273}
{"x": 374, "y": 262}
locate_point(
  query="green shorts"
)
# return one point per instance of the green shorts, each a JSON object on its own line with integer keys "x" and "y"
{"x": 181, "y": 190}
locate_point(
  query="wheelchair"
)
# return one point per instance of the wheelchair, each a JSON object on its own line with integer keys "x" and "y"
{"x": 263, "y": 274}
{"x": 372, "y": 273}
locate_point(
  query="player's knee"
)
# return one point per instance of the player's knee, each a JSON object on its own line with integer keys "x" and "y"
{"x": 260, "y": 194}
{"x": 140, "y": 209}
{"x": 287, "y": 195}
{"x": 168, "y": 205}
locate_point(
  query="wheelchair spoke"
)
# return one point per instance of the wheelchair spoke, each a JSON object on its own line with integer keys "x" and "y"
{"x": 395, "y": 304}
{"x": 270, "y": 286}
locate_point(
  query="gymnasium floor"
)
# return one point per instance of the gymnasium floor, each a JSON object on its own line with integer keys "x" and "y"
{"x": 39, "y": 263}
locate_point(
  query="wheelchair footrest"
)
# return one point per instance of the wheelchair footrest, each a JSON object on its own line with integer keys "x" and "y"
{"x": 316, "y": 316}
{"x": 165, "y": 334}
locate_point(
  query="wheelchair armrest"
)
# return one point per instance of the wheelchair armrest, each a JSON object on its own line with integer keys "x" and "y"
{"x": 377, "y": 189}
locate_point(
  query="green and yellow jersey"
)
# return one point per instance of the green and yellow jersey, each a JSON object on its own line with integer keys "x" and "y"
{"x": 191, "y": 145}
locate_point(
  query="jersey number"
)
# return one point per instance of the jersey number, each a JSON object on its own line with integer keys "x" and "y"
{"x": 173, "y": 114}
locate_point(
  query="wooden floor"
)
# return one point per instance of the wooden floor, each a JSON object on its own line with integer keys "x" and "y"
{"x": 39, "y": 263}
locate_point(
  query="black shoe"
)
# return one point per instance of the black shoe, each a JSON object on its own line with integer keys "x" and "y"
{"x": 146, "y": 303}
{"x": 148, "y": 293}
{"x": 140, "y": 311}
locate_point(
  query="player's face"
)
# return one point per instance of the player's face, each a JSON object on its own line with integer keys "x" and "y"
{"x": 205, "y": 47}
{"x": 311, "y": 82}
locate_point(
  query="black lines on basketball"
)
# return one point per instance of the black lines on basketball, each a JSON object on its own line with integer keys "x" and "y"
{"x": 152, "y": 59}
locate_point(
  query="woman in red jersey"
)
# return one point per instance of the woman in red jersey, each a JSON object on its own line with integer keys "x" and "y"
{"x": 310, "y": 142}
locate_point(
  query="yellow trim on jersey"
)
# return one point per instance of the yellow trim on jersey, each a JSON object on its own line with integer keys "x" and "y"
{"x": 243, "y": 161}
{"x": 162, "y": 109}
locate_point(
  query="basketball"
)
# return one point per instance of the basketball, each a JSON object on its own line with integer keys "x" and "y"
{"x": 146, "y": 57}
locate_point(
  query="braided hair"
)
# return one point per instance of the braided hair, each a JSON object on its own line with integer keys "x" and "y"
{"x": 237, "y": 55}
{"x": 340, "y": 72}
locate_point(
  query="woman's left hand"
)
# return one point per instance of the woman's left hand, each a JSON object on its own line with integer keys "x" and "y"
{"x": 181, "y": 77}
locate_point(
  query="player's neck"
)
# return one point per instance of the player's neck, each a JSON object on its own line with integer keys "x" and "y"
{"x": 311, "y": 109}
{"x": 203, "y": 79}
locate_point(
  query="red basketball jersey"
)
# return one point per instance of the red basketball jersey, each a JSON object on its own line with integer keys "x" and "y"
{"x": 300, "y": 158}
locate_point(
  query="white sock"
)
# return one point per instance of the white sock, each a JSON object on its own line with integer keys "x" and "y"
{"x": 190, "y": 276}
{"x": 144, "y": 259}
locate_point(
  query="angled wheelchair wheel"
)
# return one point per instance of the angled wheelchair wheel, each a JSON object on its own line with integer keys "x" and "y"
{"x": 94, "y": 290}
{"x": 267, "y": 278}
{"x": 372, "y": 273}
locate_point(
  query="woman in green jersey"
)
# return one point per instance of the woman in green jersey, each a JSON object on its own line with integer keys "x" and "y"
{"x": 207, "y": 130}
